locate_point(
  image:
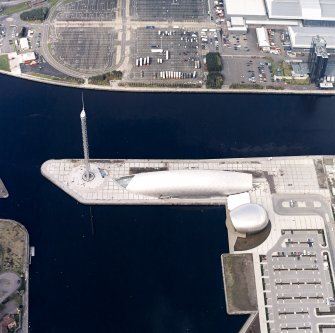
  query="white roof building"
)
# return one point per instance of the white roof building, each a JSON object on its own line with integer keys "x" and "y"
{"x": 250, "y": 8}
{"x": 301, "y": 9}
{"x": 237, "y": 24}
{"x": 263, "y": 38}
{"x": 301, "y": 37}
{"x": 249, "y": 218}
{"x": 236, "y": 200}
{"x": 28, "y": 56}
{"x": 187, "y": 183}
{"x": 24, "y": 45}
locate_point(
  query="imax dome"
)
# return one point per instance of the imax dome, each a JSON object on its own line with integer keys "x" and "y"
{"x": 249, "y": 218}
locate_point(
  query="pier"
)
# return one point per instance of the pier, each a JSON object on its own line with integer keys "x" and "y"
{"x": 3, "y": 191}
{"x": 298, "y": 194}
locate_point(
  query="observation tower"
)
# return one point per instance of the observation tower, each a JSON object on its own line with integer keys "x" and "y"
{"x": 88, "y": 175}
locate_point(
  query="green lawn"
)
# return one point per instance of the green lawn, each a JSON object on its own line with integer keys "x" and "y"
{"x": 287, "y": 69}
{"x": 52, "y": 3}
{"x": 4, "y": 63}
{"x": 15, "y": 9}
{"x": 56, "y": 78}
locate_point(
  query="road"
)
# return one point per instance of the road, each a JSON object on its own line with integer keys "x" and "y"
{"x": 11, "y": 3}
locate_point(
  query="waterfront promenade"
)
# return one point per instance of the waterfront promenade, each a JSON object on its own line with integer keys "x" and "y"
{"x": 224, "y": 90}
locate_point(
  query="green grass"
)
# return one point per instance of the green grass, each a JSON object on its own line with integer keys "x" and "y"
{"x": 302, "y": 82}
{"x": 4, "y": 63}
{"x": 253, "y": 86}
{"x": 52, "y": 3}
{"x": 286, "y": 69}
{"x": 56, "y": 78}
{"x": 15, "y": 9}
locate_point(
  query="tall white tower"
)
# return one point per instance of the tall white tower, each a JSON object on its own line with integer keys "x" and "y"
{"x": 88, "y": 174}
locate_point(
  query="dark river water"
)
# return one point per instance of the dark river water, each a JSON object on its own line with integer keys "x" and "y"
{"x": 146, "y": 269}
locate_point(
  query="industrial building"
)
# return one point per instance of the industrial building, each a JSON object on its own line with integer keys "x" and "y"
{"x": 283, "y": 12}
{"x": 237, "y": 24}
{"x": 187, "y": 183}
{"x": 251, "y": 9}
{"x": 301, "y": 37}
{"x": 312, "y": 12}
{"x": 24, "y": 45}
{"x": 263, "y": 39}
{"x": 318, "y": 59}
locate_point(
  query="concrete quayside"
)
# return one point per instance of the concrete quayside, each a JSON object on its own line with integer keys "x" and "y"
{"x": 287, "y": 246}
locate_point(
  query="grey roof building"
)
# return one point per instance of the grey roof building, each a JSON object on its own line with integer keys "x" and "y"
{"x": 314, "y": 10}
{"x": 301, "y": 37}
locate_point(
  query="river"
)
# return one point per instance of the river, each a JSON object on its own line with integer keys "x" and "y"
{"x": 144, "y": 269}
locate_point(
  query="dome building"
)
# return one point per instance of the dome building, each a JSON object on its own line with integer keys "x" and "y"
{"x": 249, "y": 218}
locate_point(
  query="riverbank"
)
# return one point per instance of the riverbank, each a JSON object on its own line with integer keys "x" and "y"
{"x": 224, "y": 90}
{"x": 14, "y": 242}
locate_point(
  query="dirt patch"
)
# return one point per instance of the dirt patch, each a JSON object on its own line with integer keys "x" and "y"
{"x": 13, "y": 243}
{"x": 239, "y": 281}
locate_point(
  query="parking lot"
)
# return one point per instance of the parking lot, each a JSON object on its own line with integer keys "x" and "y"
{"x": 84, "y": 49}
{"x": 241, "y": 44}
{"x": 243, "y": 70}
{"x": 210, "y": 40}
{"x": 87, "y": 10}
{"x": 189, "y": 10}
{"x": 298, "y": 286}
{"x": 166, "y": 55}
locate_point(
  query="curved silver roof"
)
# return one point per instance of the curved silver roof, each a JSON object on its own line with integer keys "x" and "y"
{"x": 187, "y": 183}
{"x": 249, "y": 218}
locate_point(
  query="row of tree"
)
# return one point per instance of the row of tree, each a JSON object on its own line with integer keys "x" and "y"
{"x": 214, "y": 66}
{"x": 38, "y": 14}
{"x": 104, "y": 79}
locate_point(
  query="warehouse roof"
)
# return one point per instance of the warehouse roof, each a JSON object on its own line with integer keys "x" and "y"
{"x": 301, "y": 37}
{"x": 245, "y": 8}
{"x": 262, "y": 37}
{"x": 301, "y": 9}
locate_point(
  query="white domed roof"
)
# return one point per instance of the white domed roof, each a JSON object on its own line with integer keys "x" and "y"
{"x": 249, "y": 218}
{"x": 187, "y": 183}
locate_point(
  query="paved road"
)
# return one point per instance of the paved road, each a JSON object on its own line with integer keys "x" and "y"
{"x": 11, "y": 3}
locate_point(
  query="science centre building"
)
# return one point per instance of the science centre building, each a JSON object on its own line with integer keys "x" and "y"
{"x": 246, "y": 218}
{"x": 187, "y": 183}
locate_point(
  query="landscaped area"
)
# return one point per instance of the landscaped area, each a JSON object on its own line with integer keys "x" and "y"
{"x": 4, "y": 63}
